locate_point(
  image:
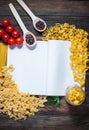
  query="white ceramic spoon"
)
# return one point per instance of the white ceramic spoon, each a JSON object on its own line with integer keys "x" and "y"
{"x": 27, "y": 35}
{"x": 38, "y": 23}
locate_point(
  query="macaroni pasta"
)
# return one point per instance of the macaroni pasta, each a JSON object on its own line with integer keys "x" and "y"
{"x": 79, "y": 51}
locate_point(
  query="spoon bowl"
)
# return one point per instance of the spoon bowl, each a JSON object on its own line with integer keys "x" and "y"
{"x": 31, "y": 41}
{"x": 39, "y": 24}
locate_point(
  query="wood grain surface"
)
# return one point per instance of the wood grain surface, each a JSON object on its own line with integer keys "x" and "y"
{"x": 66, "y": 116}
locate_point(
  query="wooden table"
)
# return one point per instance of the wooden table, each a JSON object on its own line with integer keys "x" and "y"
{"x": 66, "y": 116}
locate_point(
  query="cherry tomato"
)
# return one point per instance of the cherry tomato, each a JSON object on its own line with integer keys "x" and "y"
{"x": 10, "y": 29}
{"x": 15, "y": 34}
{"x": 1, "y": 32}
{"x": 11, "y": 41}
{"x": 5, "y": 22}
{"x": 5, "y": 38}
{"x": 19, "y": 41}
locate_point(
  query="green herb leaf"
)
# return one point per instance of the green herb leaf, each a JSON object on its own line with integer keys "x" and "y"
{"x": 54, "y": 100}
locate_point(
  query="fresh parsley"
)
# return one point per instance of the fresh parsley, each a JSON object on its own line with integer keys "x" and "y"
{"x": 54, "y": 100}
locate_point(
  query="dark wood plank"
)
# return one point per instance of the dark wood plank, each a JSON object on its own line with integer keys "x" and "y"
{"x": 66, "y": 116}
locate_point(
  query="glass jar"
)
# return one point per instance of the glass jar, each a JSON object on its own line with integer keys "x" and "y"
{"x": 75, "y": 95}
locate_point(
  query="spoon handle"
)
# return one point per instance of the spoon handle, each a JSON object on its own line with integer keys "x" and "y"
{"x": 17, "y": 17}
{"x": 25, "y": 7}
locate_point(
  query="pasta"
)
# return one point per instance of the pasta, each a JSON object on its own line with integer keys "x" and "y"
{"x": 79, "y": 51}
{"x": 3, "y": 54}
{"x": 16, "y": 104}
{"x": 75, "y": 95}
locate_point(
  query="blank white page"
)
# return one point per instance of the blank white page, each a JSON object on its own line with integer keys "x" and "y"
{"x": 30, "y": 67}
{"x": 59, "y": 72}
{"x": 44, "y": 70}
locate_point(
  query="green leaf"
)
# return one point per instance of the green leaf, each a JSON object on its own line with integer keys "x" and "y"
{"x": 54, "y": 100}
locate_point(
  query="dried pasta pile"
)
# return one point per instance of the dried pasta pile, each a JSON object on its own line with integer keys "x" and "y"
{"x": 79, "y": 50}
{"x": 14, "y": 103}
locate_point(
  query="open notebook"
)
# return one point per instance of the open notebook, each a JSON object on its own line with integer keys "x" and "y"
{"x": 45, "y": 70}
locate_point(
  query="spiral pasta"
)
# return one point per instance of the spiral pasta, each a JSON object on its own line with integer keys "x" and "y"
{"x": 16, "y": 104}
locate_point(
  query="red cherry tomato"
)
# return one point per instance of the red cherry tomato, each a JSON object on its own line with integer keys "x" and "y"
{"x": 10, "y": 29}
{"x": 11, "y": 41}
{"x": 15, "y": 34}
{"x": 1, "y": 32}
{"x": 5, "y": 38}
{"x": 5, "y": 22}
{"x": 19, "y": 41}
